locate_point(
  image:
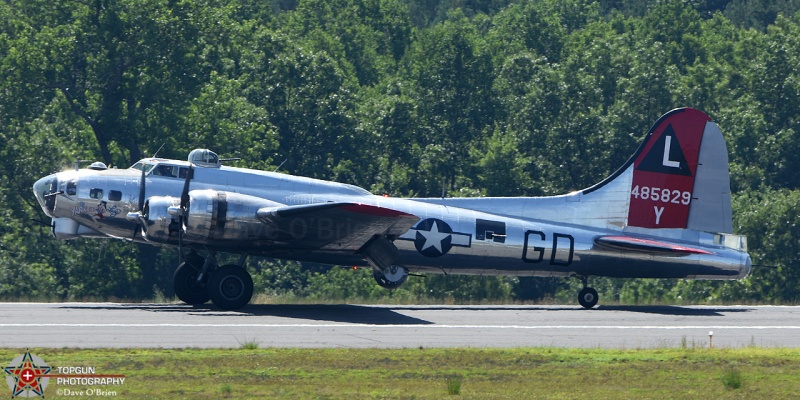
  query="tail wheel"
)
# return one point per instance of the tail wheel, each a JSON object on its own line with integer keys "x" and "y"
{"x": 230, "y": 287}
{"x": 588, "y": 297}
{"x": 188, "y": 288}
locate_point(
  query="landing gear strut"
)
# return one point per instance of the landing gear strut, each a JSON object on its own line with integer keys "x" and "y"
{"x": 587, "y": 296}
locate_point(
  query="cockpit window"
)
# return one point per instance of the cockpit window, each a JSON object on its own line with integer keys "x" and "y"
{"x": 169, "y": 171}
{"x": 143, "y": 165}
{"x": 161, "y": 169}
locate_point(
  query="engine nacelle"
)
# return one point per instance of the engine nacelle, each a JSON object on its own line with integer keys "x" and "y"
{"x": 161, "y": 226}
{"x": 217, "y": 215}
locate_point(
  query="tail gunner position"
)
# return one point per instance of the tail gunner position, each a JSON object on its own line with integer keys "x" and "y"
{"x": 666, "y": 213}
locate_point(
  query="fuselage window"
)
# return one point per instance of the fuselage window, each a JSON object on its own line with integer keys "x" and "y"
{"x": 114, "y": 195}
{"x": 182, "y": 172}
{"x": 96, "y": 193}
{"x": 72, "y": 188}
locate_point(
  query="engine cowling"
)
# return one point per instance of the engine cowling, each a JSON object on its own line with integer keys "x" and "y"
{"x": 214, "y": 215}
{"x": 161, "y": 226}
{"x": 210, "y": 215}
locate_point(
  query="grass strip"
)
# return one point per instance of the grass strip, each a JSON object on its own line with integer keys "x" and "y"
{"x": 416, "y": 373}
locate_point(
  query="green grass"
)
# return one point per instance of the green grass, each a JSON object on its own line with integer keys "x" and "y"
{"x": 249, "y": 344}
{"x": 732, "y": 379}
{"x": 454, "y": 386}
{"x": 547, "y": 373}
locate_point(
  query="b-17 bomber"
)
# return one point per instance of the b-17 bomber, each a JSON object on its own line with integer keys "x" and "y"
{"x": 665, "y": 213}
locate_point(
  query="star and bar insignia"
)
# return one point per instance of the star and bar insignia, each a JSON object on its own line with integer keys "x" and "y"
{"x": 433, "y": 237}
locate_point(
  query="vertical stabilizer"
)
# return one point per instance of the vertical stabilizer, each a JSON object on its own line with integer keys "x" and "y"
{"x": 665, "y": 169}
{"x": 678, "y": 178}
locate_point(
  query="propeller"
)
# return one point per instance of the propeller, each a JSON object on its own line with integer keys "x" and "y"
{"x": 184, "y": 209}
{"x": 141, "y": 189}
{"x": 138, "y": 216}
{"x": 185, "y": 193}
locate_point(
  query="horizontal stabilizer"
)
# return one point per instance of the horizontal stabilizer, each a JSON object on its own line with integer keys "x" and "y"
{"x": 628, "y": 243}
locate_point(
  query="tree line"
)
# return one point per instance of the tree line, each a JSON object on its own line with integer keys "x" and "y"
{"x": 407, "y": 98}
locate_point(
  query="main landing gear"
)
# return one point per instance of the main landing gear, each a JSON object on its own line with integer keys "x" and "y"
{"x": 392, "y": 277}
{"x": 587, "y": 296}
{"x": 198, "y": 280}
{"x": 190, "y": 281}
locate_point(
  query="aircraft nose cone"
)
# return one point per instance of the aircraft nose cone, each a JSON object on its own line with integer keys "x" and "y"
{"x": 42, "y": 189}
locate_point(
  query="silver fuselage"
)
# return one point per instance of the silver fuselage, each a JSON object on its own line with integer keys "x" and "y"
{"x": 548, "y": 236}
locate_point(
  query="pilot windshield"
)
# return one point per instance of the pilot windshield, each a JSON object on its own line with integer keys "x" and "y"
{"x": 166, "y": 170}
{"x": 143, "y": 166}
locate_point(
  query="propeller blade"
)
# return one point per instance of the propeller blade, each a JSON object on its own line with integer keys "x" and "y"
{"x": 185, "y": 193}
{"x": 141, "y": 190}
{"x": 185, "y": 204}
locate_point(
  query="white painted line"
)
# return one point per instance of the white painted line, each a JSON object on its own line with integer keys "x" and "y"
{"x": 421, "y": 326}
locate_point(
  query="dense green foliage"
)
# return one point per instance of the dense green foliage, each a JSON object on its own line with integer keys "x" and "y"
{"x": 408, "y": 98}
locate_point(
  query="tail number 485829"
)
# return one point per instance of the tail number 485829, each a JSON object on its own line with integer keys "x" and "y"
{"x": 661, "y": 195}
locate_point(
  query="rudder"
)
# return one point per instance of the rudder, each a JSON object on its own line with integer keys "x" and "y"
{"x": 711, "y": 199}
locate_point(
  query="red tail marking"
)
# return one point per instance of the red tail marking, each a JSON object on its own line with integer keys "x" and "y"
{"x": 663, "y": 176}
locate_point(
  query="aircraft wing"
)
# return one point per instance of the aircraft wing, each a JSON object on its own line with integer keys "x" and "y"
{"x": 333, "y": 226}
{"x": 629, "y": 243}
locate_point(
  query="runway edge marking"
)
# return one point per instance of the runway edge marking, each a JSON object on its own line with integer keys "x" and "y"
{"x": 394, "y": 326}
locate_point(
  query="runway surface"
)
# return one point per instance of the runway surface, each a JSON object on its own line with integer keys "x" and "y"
{"x": 85, "y": 325}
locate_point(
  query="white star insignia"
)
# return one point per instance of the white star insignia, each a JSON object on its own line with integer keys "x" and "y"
{"x": 434, "y": 238}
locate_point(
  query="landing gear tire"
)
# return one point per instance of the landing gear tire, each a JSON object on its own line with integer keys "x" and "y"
{"x": 392, "y": 277}
{"x": 187, "y": 287}
{"x": 230, "y": 287}
{"x": 588, "y": 297}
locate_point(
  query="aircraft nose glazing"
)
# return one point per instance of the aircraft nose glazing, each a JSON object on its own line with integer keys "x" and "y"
{"x": 43, "y": 189}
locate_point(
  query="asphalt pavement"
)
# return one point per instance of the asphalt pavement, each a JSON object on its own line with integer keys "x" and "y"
{"x": 115, "y": 325}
